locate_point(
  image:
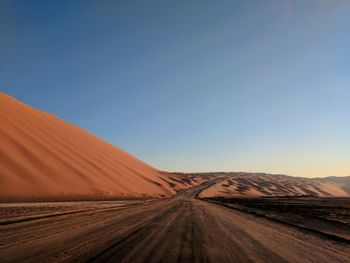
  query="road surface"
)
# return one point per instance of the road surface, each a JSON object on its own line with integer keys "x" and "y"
{"x": 180, "y": 229}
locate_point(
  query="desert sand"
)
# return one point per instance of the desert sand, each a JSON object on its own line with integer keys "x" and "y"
{"x": 179, "y": 229}
{"x": 43, "y": 157}
{"x": 258, "y": 184}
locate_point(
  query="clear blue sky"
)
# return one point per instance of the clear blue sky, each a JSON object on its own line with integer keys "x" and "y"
{"x": 191, "y": 85}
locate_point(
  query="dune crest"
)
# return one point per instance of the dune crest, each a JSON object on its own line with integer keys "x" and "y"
{"x": 43, "y": 157}
{"x": 258, "y": 184}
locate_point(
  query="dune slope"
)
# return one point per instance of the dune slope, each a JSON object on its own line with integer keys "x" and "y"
{"x": 258, "y": 184}
{"x": 45, "y": 158}
{"x": 341, "y": 181}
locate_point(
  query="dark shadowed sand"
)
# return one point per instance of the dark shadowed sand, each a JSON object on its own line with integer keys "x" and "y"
{"x": 179, "y": 229}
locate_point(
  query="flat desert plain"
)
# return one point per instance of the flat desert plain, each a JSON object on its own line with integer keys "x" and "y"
{"x": 182, "y": 228}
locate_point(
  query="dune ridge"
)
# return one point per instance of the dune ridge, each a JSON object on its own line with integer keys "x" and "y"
{"x": 43, "y": 157}
{"x": 260, "y": 184}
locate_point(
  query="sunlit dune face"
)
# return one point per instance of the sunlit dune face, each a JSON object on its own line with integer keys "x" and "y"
{"x": 43, "y": 157}
{"x": 248, "y": 184}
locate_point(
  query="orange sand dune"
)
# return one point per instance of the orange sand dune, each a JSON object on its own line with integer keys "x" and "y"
{"x": 43, "y": 157}
{"x": 252, "y": 184}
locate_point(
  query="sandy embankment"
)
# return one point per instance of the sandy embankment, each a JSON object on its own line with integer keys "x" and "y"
{"x": 43, "y": 157}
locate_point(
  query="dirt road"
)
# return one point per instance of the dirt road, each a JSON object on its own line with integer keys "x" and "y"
{"x": 180, "y": 229}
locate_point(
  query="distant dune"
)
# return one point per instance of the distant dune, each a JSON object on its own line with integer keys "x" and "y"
{"x": 341, "y": 181}
{"x": 45, "y": 158}
{"x": 259, "y": 184}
